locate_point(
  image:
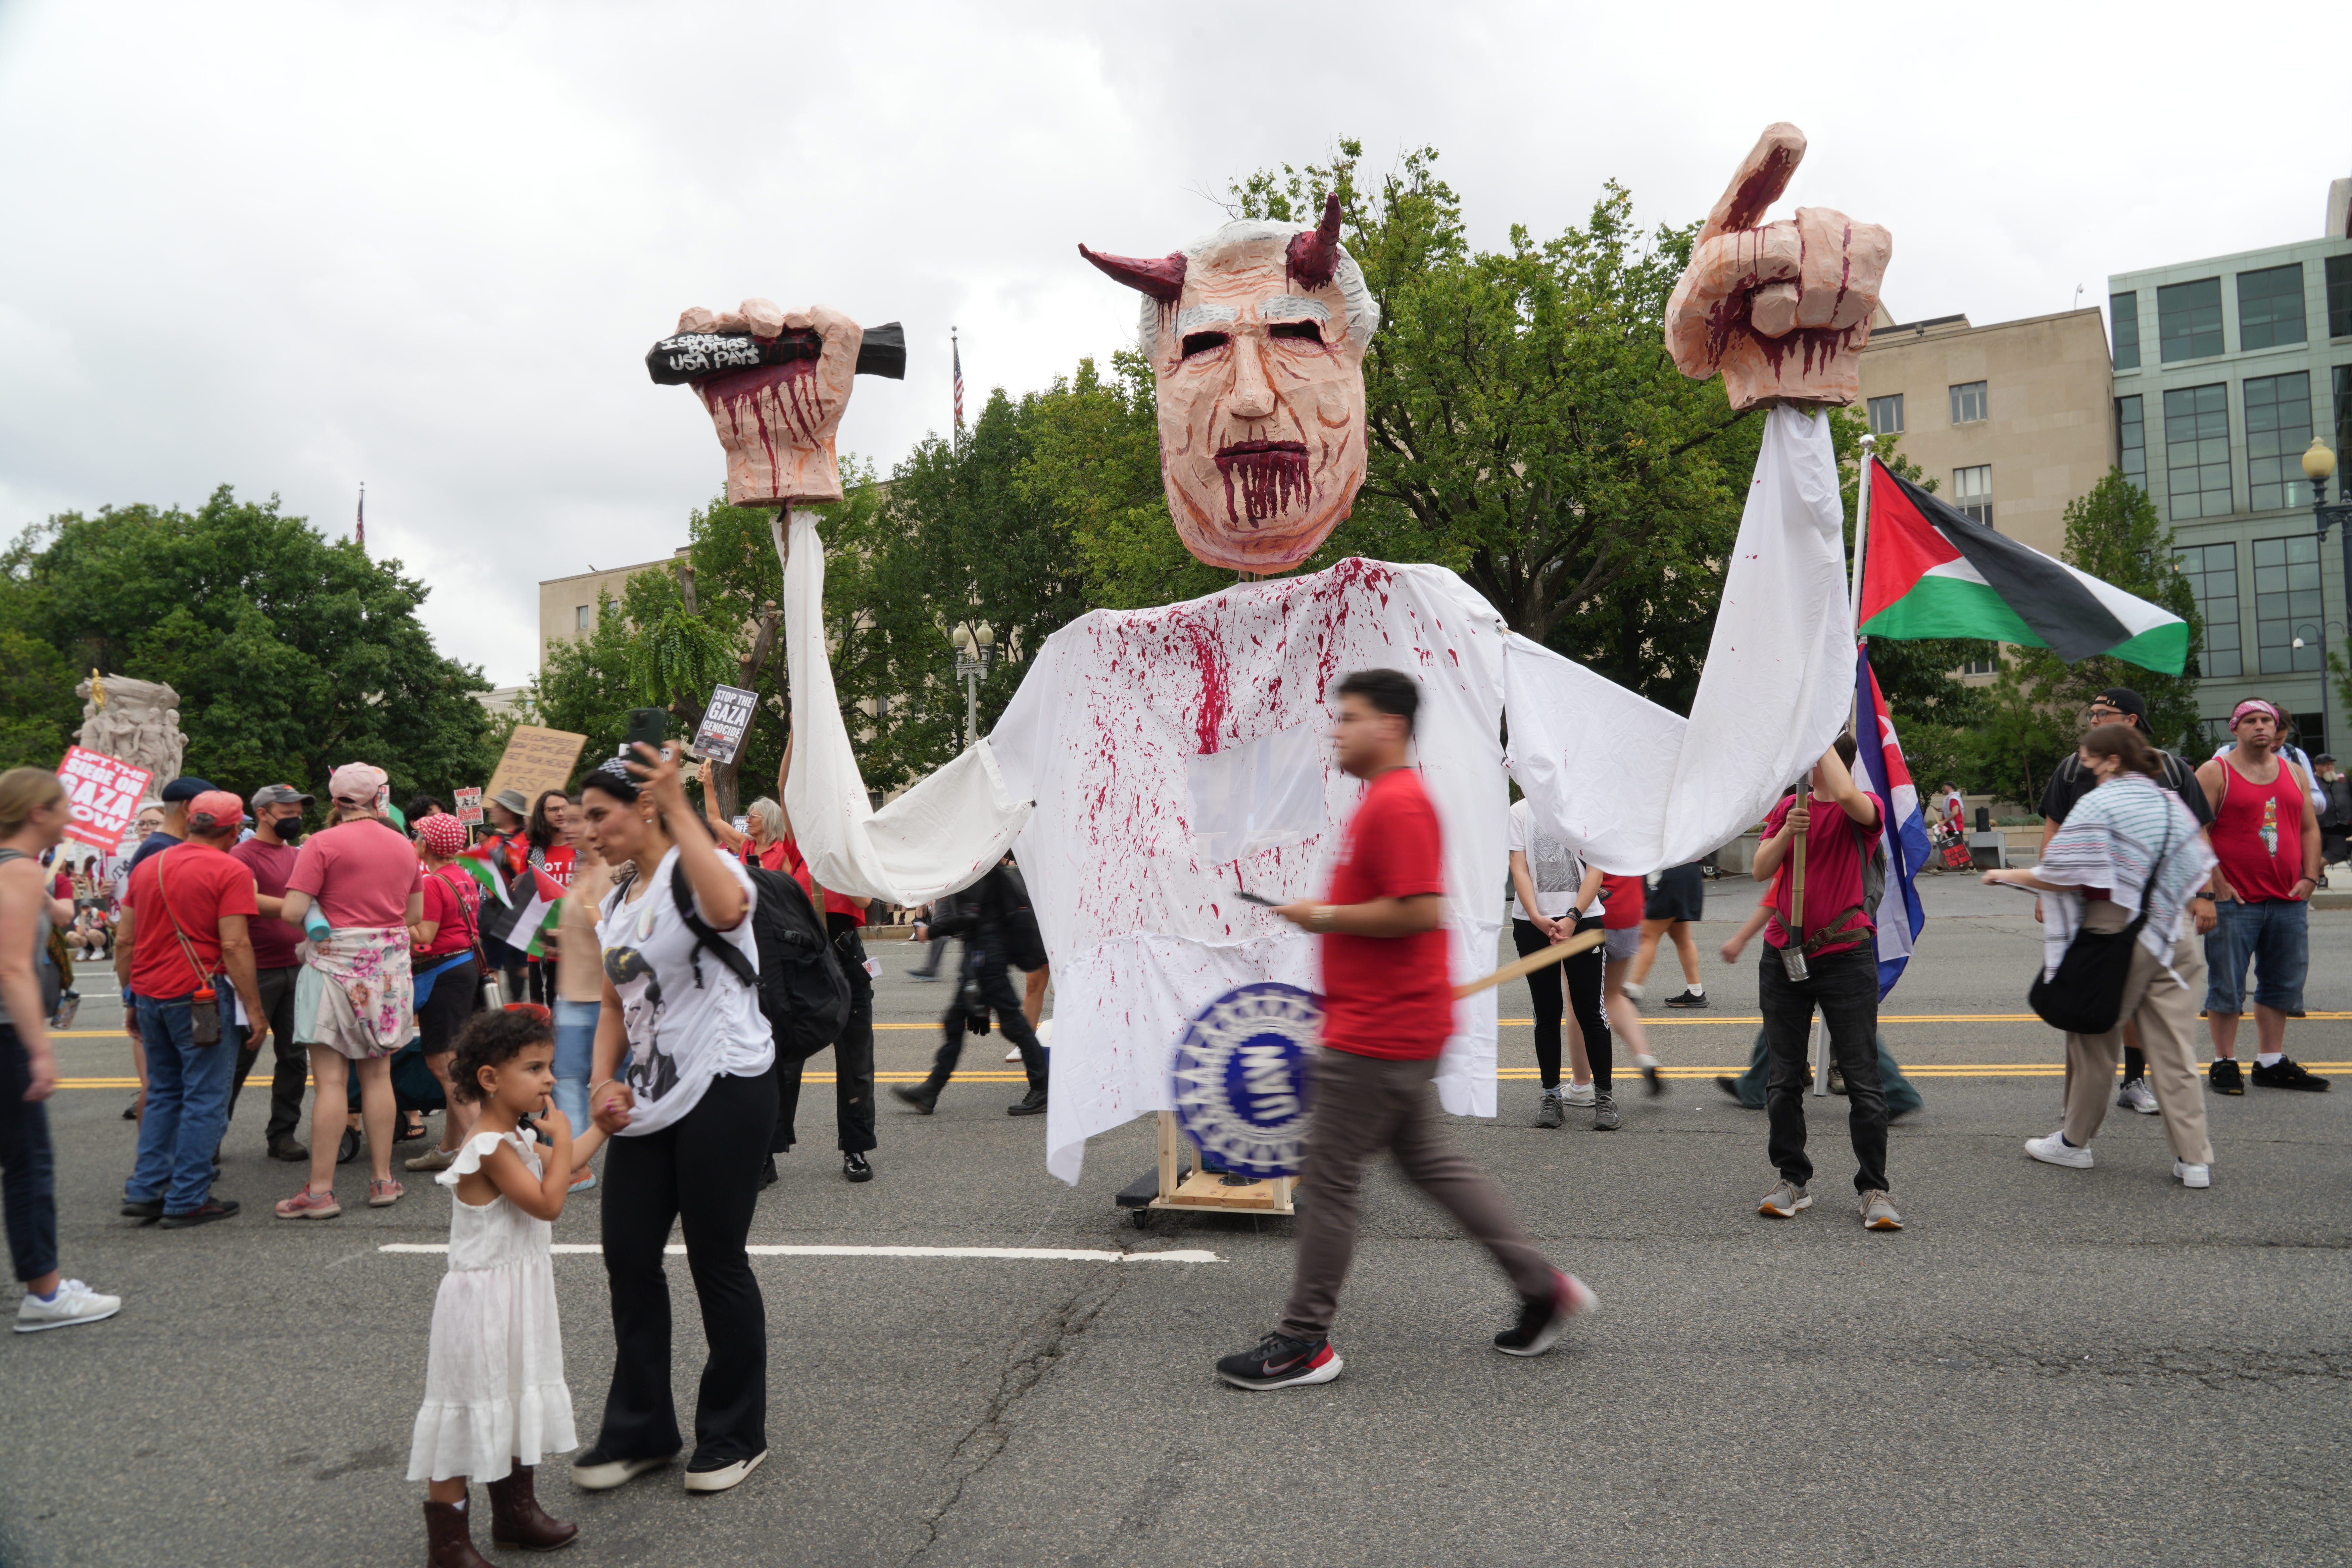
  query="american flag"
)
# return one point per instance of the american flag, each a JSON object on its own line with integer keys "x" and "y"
{"x": 955, "y": 351}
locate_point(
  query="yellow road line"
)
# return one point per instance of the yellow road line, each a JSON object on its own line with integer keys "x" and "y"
{"x": 1917, "y": 1069}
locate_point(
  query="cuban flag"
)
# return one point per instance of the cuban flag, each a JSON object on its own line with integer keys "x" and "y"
{"x": 1903, "y": 834}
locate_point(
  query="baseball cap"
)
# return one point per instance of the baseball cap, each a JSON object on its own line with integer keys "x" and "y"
{"x": 355, "y": 783}
{"x": 2124, "y": 700}
{"x": 182, "y": 789}
{"x": 215, "y": 809}
{"x": 280, "y": 794}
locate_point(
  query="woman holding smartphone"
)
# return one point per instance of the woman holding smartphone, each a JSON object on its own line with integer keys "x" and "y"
{"x": 684, "y": 1083}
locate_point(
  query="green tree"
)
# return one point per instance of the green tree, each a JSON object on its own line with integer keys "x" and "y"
{"x": 2115, "y": 533}
{"x": 291, "y": 653}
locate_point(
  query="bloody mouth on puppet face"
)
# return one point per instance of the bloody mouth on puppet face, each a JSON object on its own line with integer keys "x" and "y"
{"x": 1263, "y": 479}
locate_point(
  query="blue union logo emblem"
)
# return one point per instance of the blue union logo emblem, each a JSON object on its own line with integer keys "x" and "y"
{"x": 1239, "y": 1077}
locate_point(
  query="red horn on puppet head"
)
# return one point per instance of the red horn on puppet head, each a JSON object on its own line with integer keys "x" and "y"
{"x": 1314, "y": 255}
{"x": 1163, "y": 280}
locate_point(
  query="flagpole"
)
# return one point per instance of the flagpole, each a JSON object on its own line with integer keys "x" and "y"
{"x": 1861, "y": 526}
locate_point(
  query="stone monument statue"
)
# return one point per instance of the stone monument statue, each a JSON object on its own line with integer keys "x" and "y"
{"x": 137, "y": 720}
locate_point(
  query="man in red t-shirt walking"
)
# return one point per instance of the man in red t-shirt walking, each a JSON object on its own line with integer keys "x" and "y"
{"x": 1839, "y": 820}
{"x": 1388, "y": 1007}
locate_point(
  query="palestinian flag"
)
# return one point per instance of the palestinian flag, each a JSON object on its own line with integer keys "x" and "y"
{"x": 478, "y": 863}
{"x": 1930, "y": 571}
{"x": 534, "y": 906}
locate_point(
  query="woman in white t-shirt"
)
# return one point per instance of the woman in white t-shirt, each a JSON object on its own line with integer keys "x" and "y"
{"x": 1554, "y": 895}
{"x": 684, "y": 1084}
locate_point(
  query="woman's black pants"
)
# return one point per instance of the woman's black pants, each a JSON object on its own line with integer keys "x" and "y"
{"x": 703, "y": 1170}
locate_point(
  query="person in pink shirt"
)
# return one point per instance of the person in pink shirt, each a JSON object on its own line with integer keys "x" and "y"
{"x": 354, "y": 1003}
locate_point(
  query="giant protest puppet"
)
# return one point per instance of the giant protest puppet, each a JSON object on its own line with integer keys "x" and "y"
{"x": 1155, "y": 762}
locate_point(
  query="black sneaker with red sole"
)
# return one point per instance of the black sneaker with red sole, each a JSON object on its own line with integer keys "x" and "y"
{"x": 1543, "y": 1319}
{"x": 1281, "y": 1362}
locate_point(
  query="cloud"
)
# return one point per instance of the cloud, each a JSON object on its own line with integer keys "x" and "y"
{"x": 296, "y": 246}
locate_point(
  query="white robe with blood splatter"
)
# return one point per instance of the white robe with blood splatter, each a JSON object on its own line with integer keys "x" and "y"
{"x": 1155, "y": 761}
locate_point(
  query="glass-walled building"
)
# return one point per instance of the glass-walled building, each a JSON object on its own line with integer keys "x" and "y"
{"x": 2224, "y": 371}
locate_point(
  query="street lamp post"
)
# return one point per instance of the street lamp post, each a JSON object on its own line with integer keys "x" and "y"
{"x": 973, "y": 651}
{"x": 2319, "y": 467}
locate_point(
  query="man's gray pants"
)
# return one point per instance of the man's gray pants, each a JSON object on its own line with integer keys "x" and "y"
{"x": 1363, "y": 1106}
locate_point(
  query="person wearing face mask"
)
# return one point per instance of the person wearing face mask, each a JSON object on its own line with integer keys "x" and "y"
{"x": 270, "y": 855}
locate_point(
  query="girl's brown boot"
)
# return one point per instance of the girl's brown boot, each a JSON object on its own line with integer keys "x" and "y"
{"x": 518, "y": 1521}
{"x": 449, "y": 1538}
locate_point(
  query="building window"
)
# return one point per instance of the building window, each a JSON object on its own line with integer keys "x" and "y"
{"x": 1968, "y": 403}
{"x": 2278, "y": 428}
{"x": 2343, "y": 419}
{"x": 2311, "y": 733}
{"x": 2197, "y": 451}
{"x": 1886, "y": 416}
{"x": 1986, "y": 663}
{"x": 2131, "y": 441}
{"x": 583, "y": 618}
{"x": 1972, "y": 492}
{"x": 2287, "y": 604}
{"x": 2339, "y": 296}
{"x": 2123, "y": 314}
{"x": 2189, "y": 320}
{"x": 2212, "y": 573}
{"x": 2270, "y": 307}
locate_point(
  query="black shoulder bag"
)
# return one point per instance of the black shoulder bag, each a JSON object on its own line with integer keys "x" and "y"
{"x": 2085, "y": 996}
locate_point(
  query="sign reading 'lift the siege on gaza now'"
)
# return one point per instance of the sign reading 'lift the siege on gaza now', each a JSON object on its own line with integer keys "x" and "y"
{"x": 105, "y": 793}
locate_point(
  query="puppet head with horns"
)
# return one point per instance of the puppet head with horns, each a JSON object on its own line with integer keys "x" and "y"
{"x": 1256, "y": 335}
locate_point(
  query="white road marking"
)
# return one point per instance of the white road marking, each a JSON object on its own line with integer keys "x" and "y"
{"x": 1044, "y": 1253}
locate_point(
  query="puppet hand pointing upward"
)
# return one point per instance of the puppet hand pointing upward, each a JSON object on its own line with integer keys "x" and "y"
{"x": 1782, "y": 309}
{"x": 778, "y": 422}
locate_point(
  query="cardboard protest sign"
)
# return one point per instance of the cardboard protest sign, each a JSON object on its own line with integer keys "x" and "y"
{"x": 105, "y": 793}
{"x": 469, "y": 806}
{"x": 536, "y": 761}
{"x": 725, "y": 722}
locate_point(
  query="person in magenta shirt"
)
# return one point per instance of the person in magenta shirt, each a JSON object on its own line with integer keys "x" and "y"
{"x": 270, "y": 855}
{"x": 1388, "y": 1007}
{"x": 1838, "y": 819}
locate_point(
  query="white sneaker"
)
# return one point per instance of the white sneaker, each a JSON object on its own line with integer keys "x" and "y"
{"x": 75, "y": 1302}
{"x": 2192, "y": 1175}
{"x": 724, "y": 1477}
{"x": 1578, "y": 1094}
{"x": 2055, "y": 1151}
{"x": 1014, "y": 1054}
{"x": 2136, "y": 1095}
{"x": 1633, "y": 992}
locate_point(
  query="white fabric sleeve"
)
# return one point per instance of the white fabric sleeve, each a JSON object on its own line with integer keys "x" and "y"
{"x": 478, "y": 1148}
{"x": 938, "y": 838}
{"x": 1633, "y": 788}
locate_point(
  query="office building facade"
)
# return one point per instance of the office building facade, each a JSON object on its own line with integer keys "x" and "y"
{"x": 2225, "y": 370}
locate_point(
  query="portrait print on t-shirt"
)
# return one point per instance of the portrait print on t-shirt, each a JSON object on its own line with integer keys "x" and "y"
{"x": 650, "y": 1074}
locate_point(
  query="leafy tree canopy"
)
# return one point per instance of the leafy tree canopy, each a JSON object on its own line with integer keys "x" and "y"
{"x": 291, "y": 653}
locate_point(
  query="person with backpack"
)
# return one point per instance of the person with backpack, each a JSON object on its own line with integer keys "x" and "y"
{"x": 2130, "y": 859}
{"x": 1823, "y": 955}
{"x": 993, "y": 918}
{"x": 684, "y": 1086}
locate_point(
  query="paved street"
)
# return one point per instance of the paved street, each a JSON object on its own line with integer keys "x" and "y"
{"x": 2047, "y": 1366}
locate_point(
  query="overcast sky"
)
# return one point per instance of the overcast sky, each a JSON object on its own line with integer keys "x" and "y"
{"x": 291, "y": 248}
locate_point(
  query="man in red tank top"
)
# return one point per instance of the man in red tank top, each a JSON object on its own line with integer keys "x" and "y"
{"x": 2267, "y": 838}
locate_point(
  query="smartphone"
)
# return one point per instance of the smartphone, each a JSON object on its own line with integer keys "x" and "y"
{"x": 648, "y": 726}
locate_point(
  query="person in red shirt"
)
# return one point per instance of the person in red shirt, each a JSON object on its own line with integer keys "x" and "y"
{"x": 270, "y": 855}
{"x": 192, "y": 903}
{"x": 1388, "y": 1007}
{"x": 1838, "y": 820}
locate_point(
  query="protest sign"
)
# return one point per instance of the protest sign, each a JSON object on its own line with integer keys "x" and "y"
{"x": 105, "y": 793}
{"x": 470, "y": 807}
{"x": 725, "y": 722}
{"x": 536, "y": 761}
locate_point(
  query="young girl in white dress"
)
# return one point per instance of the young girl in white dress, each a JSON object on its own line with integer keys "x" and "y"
{"x": 495, "y": 1400}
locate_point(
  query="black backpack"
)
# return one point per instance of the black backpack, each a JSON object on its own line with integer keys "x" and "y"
{"x": 802, "y": 992}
